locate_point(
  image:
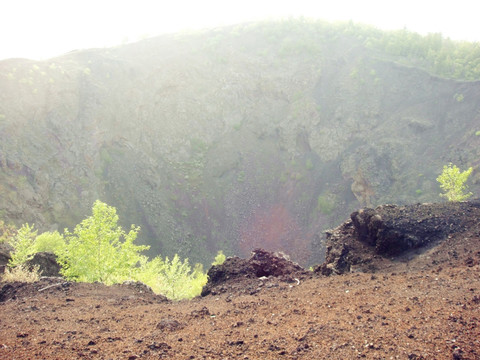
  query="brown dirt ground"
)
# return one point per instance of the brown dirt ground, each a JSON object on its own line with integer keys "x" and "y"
{"x": 422, "y": 306}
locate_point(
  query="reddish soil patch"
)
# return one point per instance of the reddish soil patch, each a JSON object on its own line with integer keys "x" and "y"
{"x": 423, "y": 305}
{"x": 274, "y": 230}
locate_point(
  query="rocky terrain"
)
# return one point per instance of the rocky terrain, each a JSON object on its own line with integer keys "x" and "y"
{"x": 258, "y": 135}
{"x": 403, "y": 284}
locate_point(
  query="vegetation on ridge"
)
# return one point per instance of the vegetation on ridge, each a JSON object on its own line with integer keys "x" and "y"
{"x": 433, "y": 52}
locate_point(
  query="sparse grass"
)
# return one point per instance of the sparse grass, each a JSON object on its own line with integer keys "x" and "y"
{"x": 21, "y": 273}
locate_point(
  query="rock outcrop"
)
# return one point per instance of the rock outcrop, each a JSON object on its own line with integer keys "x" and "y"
{"x": 241, "y": 272}
{"x": 388, "y": 232}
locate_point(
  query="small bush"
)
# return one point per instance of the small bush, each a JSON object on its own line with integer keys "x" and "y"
{"x": 52, "y": 242}
{"x": 452, "y": 182}
{"x": 219, "y": 258}
{"x": 21, "y": 273}
{"x": 95, "y": 250}
{"x": 23, "y": 245}
{"x": 174, "y": 278}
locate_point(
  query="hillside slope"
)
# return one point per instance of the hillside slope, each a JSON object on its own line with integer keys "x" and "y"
{"x": 256, "y": 135}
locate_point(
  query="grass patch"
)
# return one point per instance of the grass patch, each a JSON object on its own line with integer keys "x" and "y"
{"x": 21, "y": 273}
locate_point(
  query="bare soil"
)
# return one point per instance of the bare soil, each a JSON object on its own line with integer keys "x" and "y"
{"x": 421, "y": 304}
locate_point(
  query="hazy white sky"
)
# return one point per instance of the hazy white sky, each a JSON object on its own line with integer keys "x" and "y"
{"x": 40, "y": 29}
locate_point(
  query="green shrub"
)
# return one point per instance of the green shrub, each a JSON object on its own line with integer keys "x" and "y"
{"x": 219, "y": 258}
{"x": 95, "y": 250}
{"x": 23, "y": 245}
{"x": 49, "y": 242}
{"x": 100, "y": 250}
{"x": 149, "y": 272}
{"x": 173, "y": 278}
{"x": 452, "y": 182}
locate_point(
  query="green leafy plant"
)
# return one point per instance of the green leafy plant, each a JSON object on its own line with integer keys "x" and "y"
{"x": 52, "y": 242}
{"x": 198, "y": 279}
{"x": 219, "y": 258}
{"x": 173, "y": 278}
{"x": 23, "y": 245}
{"x": 452, "y": 182}
{"x": 100, "y": 250}
{"x": 95, "y": 250}
{"x": 149, "y": 272}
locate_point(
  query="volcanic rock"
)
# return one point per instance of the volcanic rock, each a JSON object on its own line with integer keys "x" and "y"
{"x": 46, "y": 262}
{"x": 262, "y": 264}
{"x": 391, "y": 231}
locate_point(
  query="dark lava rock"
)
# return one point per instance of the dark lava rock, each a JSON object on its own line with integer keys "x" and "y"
{"x": 262, "y": 263}
{"x": 142, "y": 290}
{"x": 394, "y": 229}
{"x": 47, "y": 263}
{"x": 7, "y": 291}
{"x": 273, "y": 264}
{"x": 169, "y": 324}
{"x": 5, "y": 250}
{"x": 390, "y": 231}
{"x": 138, "y": 286}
